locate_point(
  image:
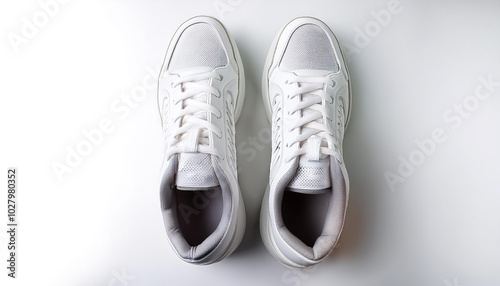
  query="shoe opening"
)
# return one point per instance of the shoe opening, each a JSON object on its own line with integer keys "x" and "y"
{"x": 304, "y": 214}
{"x": 199, "y": 213}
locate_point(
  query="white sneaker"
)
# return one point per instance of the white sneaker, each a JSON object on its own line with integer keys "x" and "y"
{"x": 307, "y": 97}
{"x": 200, "y": 96}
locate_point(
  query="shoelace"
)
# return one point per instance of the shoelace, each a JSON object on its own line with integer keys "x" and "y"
{"x": 194, "y": 130}
{"x": 314, "y": 133}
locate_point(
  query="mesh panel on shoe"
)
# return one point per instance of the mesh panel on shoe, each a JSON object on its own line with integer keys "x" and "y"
{"x": 195, "y": 170}
{"x": 309, "y": 48}
{"x": 198, "y": 46}
{"x": 311, "y": 178}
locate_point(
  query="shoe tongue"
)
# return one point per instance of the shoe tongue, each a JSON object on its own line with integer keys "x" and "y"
{"x": 195, "y": 172}
{"x": 311, "y": 177}
{"x": 313, "y": 173}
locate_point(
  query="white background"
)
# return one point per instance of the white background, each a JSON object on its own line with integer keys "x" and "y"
{"x": 439, "y": 226}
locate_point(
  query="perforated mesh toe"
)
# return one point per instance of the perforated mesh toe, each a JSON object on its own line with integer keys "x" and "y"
{"x": 198, "y": 46}
{"x": 309, "y": 48}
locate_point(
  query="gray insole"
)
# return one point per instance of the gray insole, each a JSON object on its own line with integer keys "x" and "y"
{"x": 198, "y": 213}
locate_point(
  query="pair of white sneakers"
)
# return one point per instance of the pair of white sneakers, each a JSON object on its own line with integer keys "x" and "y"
{"x": 306, "y": 95}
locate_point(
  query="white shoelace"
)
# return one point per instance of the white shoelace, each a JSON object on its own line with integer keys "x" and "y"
{"x": 314, "y": 133}
{"x": 194, "y": 130}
